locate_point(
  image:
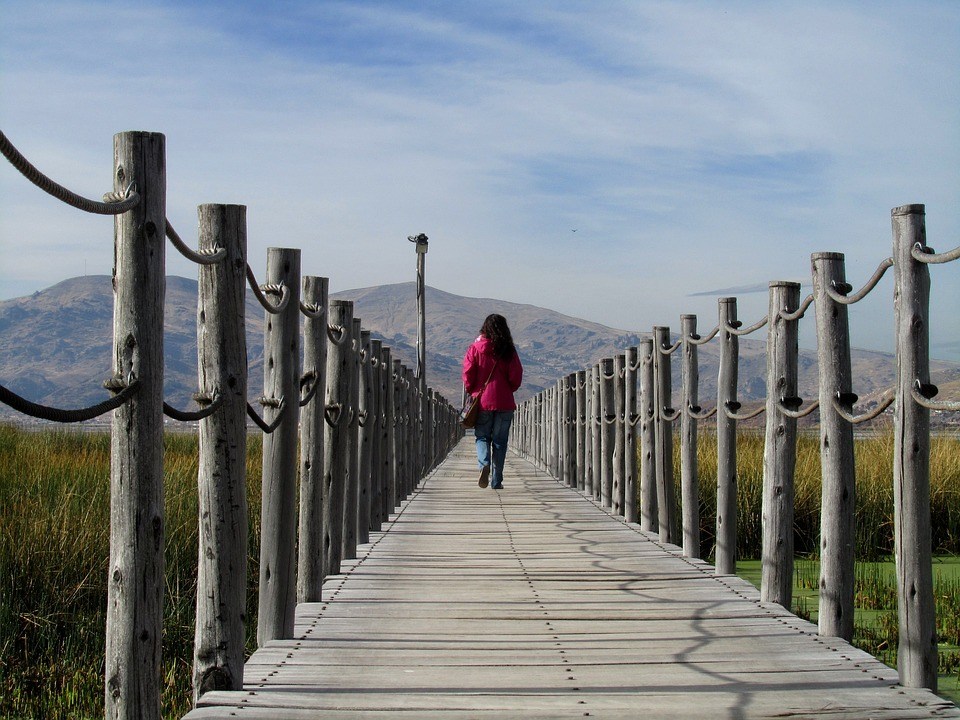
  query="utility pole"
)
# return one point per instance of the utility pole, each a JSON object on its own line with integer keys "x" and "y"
{"x": 421, "y": 242}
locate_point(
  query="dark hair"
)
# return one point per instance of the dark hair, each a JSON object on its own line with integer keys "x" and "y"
{"x": 495, "y": 329}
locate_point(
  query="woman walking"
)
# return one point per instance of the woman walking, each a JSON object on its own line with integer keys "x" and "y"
{"x": 492, "y": 368}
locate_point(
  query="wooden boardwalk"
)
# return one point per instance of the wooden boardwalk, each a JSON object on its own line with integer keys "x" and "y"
{"x": 533, "y": 602}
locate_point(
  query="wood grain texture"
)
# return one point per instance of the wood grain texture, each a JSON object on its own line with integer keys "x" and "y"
{"x": 533, "y": 601}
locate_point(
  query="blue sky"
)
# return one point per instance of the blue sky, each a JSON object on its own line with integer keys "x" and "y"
{"x": 692, "y": 146}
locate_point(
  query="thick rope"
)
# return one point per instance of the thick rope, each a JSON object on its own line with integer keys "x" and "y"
{"x": 923, "y": 395}
{"x": 267, "y": 429}
{"x": 927, "y": 256}
{"x": 669, "y": 414}
{"x": 694, "y": 413}
{"x": 113, "y": 204}
{"x": 885, "y": 402}
{"x": 798, "y": 313}
{"x": 310, "y": 379}
{"x": 202, "y": 257}
{"x": 333, "y": 414}
{"x": 730, "y": 410}
{"x": 741, "y": 331}
{"x": 338, "y": 334}
{"x": 186, "y": 416}
{"x": 312, "y": 312}
{"x": 670, "y": 349}
{"x": 259, "y": 291}
{"x": 791, "y": 407}
{"x": 42, "y": 412}
{"x": 840, "y": 293}
{"x": 698, "y": 340}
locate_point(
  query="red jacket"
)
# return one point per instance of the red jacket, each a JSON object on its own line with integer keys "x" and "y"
{"x": 477, "y": 365}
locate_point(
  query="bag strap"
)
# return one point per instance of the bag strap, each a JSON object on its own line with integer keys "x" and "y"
{"x": 489, "y": 378}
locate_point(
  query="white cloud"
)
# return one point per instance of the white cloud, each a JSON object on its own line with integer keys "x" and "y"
{"x": 691, "y": 145}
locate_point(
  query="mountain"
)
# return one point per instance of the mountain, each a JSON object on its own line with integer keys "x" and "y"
{"x": 55, "y": 345}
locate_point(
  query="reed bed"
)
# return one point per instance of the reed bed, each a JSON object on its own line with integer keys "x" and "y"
{"x": 54, "y": 551}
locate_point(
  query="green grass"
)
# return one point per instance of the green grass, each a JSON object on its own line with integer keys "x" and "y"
{"x": 54, "y": 550}
{"x": 875, "y": 615}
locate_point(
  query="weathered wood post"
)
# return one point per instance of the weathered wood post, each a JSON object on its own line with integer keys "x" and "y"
{"x": 281, "y": 389}
{"x": 581, "y": 425}
{"x": 218, "y": 652}
{"x": 726, "y": 550}
{"x": 312, "y": 432}
{"x": 608, "y": 431}
{"x": 838, "y": 496}
{"x": 780, "y": 447}
{"x": 619, "y": 446}
{"x": 593, "y": 490}
{"x": 630, "y": 435}
{"x": 351, "y": 492}
{"x": 689, "y": 466}
{"x": 917, "y": 653}
{"x": 663, "y": 437}
{"x": 400, "y": 438}
{"x": 366, "y": 420}
{"x": 570, "y": 430}
{"x": 135, "y": 580}
{"x": 337, "y": 433}
{"x": 649, "y": 515}
{"x": 388, "y": 434}
{"x": 376, "y": 438}
{"x": 412, "y": 442}
{"x": 563, "y": 388}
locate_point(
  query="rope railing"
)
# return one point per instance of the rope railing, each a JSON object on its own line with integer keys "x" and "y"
{"x": 113, "y": 203}
{"x": 200, "y": 257}
{"x": 404, "y": 438}
{"x": 840, "y": 292}
{"x": 545, "y": 425}
{"x": 59, "y": 415}
{"x": 261, "y": 291}
{"x": 211, "y": 405}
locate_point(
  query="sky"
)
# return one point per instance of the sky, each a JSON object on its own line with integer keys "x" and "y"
{"x": 620, "y": 161}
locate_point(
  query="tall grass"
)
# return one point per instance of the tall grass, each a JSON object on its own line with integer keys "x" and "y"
{"x": 54, "y": 551}
{"x": 874, "y": 490}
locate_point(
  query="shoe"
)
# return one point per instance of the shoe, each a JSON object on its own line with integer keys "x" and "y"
{"x": 497, "y": 487}
{"x": 484, "y": 476}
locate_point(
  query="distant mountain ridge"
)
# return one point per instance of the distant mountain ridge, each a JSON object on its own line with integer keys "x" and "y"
{"x": 55, "y": 345}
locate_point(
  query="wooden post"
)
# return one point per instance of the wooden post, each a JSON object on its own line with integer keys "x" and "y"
{"x": 608, "y": 431}
{"x": 838, "y": 496}
{"x": 649, "y": 515}
{"x": 581, "y": 425}
{"x": 563, "y": 419}
{"x": 597, "y": 455}
{"x": 663, "y": 402}
{"x": 135, "y": 581}
{"x": 619, "y": 405}
{"x": 281, "y": 383}
{"x": 780, "y": 447}
{"x": 726, "y": 551}
{"x": 337, "y": 438}
{"x": 351, "y": 492}
{"x": 376, "y": 439}
{"x": 366, "y": 421}
{"x": 388, "y": 434}
{"x": 312, "y": 432}
{"x": 689, "y": 465}
{"x": 218, "y": 653}
{"x": 412, "y": 441}
{"x": 917, "y": 653}
{"x": 630, "y": 436}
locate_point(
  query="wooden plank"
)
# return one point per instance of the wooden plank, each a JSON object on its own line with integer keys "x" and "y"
{"x": 534, "y": 601}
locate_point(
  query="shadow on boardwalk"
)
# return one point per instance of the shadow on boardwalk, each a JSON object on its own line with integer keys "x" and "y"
{"x": 533, "y": 602}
